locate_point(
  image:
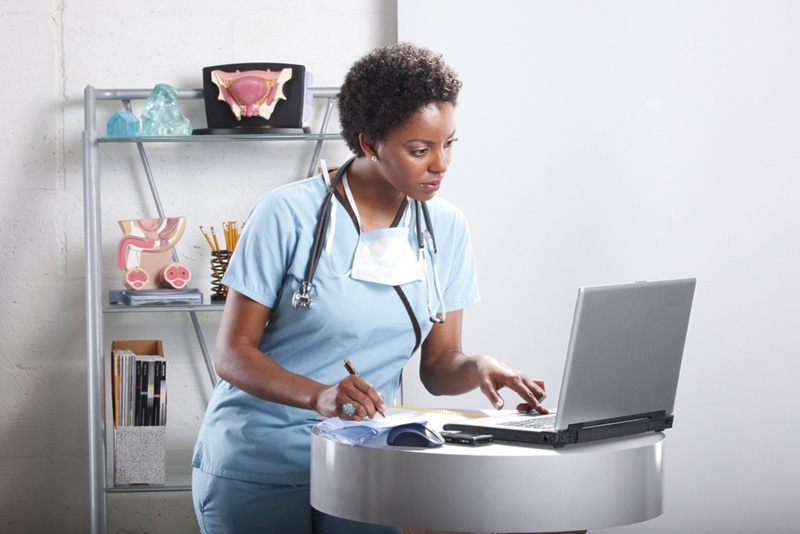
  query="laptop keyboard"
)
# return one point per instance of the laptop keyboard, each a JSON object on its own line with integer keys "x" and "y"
{"x": 538, "y": 421}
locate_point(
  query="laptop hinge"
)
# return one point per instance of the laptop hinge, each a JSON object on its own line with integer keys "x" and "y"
{"x": 611, "y": 428}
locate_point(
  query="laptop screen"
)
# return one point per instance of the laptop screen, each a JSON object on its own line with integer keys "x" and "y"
{"x": 625, "y": 350}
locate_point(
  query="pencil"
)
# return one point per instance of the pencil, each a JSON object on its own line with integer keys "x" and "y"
{"x": 352, "y": 371}
{"x": 235, "y": 233}
{"x": 216, "y": 241}
{"x": 210, "y": 243}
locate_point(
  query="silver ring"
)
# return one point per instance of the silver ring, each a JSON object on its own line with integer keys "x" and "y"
{"x": 349, "y": 409}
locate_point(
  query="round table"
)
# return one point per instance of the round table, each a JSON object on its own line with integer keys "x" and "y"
{"x": 493, "y": 488}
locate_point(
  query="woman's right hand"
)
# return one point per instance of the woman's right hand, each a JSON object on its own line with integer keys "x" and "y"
{"x": 366, "y": 400}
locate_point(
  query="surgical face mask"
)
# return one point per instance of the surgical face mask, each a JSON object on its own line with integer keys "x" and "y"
{"x": 383, "y": 256}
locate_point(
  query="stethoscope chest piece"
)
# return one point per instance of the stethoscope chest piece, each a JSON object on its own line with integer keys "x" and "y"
{"x": 302, "y": 298}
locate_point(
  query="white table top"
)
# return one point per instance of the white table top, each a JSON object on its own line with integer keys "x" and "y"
{"x": 494, "y": 488}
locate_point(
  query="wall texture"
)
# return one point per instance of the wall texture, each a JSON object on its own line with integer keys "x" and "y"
{"x": 51, "y": 51}
{"x": 657, "y": 139}
{"x": 606, "y": 142}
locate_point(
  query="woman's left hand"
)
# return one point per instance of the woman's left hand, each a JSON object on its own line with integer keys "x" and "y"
{"x": 493, "y": 375}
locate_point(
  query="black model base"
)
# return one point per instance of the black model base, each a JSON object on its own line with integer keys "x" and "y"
{"x": 251, "y": 130}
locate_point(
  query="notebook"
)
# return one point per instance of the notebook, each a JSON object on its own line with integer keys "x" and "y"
{"x": 622, "y": 367}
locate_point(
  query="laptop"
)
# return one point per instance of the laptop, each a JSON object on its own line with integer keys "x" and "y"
{"x": 621, "y": 373}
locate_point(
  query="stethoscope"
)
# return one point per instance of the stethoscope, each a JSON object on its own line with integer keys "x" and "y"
{"x": 303, "y": 298}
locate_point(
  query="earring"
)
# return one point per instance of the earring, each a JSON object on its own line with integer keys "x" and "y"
{"x": 374, "y": 158}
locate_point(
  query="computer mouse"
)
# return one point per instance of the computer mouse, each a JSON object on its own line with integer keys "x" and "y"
{"x": 414, "y": 435}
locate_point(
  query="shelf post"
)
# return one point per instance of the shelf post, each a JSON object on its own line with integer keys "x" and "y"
{"x": 94, "y": 318}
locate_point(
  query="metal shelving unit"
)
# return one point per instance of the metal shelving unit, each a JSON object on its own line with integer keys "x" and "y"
{"x": 95, "y": 309}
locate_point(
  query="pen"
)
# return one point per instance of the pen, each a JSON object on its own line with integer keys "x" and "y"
{"x": 352, "y": 371}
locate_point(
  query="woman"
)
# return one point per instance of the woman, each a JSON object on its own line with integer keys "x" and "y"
{"x": 251, "y": 461}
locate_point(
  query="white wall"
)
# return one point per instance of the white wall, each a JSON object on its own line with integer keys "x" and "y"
{"x": 51, "y": 51}
{"x": 652, "y": 140}
{"x": 605, "y": 142}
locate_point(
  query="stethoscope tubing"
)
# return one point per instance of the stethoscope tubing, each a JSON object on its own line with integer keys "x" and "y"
{"x": 322, "y": 223}
{"x": 302, "y": 297}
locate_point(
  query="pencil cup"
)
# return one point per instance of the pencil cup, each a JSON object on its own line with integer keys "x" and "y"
{"x": 219, "y": 264}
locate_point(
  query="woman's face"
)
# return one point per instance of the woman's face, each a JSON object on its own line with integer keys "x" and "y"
{"x": 414, "y": 156}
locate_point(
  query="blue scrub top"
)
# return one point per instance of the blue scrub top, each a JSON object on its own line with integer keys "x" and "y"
{"x": 247, "y": 438}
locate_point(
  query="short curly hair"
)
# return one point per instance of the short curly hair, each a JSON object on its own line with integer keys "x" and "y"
{"x": 383, "y": 89}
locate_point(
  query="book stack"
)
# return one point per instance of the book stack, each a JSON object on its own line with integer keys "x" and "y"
{"x": 139, "y": 400}
{"x": 155, "y": 297}
{"x": 139, "y": 389}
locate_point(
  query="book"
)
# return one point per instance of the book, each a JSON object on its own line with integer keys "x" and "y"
{"x": 138, "y": 389}
{"x": 161, "y": 382}
{"x": 155, "y": 297}
{"x": 156, "y": 419}
{"x": 137, "y": 394}
{"x": 439, "y": 411}
{"x": 148, "y": 414}
{"x": 115, "y": 384}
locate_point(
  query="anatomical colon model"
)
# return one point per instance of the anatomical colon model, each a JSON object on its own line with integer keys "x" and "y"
{"x": 145, "y": 254}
